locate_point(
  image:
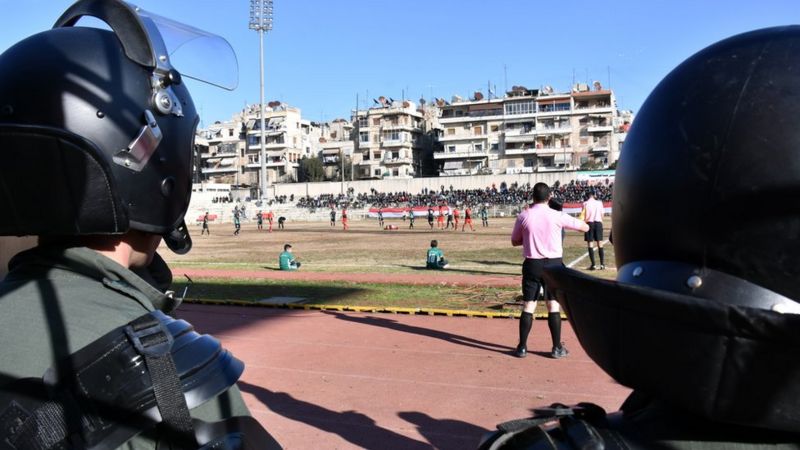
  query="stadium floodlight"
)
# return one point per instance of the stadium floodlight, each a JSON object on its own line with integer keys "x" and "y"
{"x": 261, "y": 21}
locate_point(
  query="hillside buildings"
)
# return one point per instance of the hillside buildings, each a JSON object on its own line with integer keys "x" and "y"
{"x": 525, "y": 131}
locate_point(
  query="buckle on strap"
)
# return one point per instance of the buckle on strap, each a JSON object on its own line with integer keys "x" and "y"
{"x": 149, "y": 336}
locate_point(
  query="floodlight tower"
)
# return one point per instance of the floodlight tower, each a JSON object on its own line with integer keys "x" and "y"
{"x": 261, "y": 21}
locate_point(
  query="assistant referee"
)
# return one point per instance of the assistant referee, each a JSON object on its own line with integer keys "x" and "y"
{"x": 538, "y": 231}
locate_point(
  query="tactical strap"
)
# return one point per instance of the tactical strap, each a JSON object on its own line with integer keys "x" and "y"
{"x": 556, "y": 427}
{"x": 153, "y": 341}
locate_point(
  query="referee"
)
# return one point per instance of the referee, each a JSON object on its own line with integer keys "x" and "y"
{"x": 538, "y": 231}
{"x": 593, "y": 215}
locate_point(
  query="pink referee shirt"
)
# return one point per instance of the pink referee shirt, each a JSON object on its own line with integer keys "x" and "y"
{"x": 539, "y": 228}
{"x": 594, "y": 210}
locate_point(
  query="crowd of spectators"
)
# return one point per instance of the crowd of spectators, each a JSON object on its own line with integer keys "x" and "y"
{"x": 513, "y": 194}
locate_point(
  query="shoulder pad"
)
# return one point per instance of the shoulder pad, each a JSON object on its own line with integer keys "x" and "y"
{"x": 103, "y": 395}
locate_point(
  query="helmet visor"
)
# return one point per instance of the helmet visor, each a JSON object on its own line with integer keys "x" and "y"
{"x": 197, "y": 54}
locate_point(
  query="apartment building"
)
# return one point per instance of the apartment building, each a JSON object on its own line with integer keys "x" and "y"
{"x": 389, "y": 140}
{"x": 220, "y": 150}
{"x": 529, "y": 130}
{"x": 336, "y": 148}
{"x": 288, "y": 136}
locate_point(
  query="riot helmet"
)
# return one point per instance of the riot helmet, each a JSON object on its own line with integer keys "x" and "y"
{"x": 96, "y": 128}
{"x": 706, "y": 224}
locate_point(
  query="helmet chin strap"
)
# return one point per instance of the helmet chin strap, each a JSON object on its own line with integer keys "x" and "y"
{"x": 178, "y": 240}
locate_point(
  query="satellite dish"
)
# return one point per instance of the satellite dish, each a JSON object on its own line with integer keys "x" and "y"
{"x": 597, "y": 86}
{"x": 406, "y": 104}
{"x": 478, "y": 95}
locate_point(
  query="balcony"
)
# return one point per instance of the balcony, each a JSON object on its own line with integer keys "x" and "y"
{"x": 516, "y": 170}
{"x": 396, "y": 142}
{"x": 600, "y": 147}
{"x": 457, "y": 172}
{"x": 600, "y": 129}
{"x": 553, "y": 130}
{"x": 516, "y": 136}
{"x": 456, "y": 155}
{"x": 330, "y": 160}
{"x": 462, "y": 137}
{"x": 553, "y": 150}
{"x": 520, "y": 151}
{"x": 369, "y": 162}
{"x": 389, "y": 161}
{"x": 597, "y": 108}
{"x": 231, "y": 169}
{"x": 491, "y": 114}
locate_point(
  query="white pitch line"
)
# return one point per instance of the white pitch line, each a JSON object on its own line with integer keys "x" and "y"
{"x": 582, "y": 257}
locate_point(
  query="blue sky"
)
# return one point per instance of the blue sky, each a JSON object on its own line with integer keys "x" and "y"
{"x": 322, "y": 53}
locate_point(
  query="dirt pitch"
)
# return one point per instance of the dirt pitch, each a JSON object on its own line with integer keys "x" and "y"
{"x": 366, "y": 248}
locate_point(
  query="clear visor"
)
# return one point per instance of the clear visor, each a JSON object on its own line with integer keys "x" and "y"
{"x": 197, "y": 54}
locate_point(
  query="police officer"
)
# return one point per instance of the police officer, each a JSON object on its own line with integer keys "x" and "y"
{"x": 98, "y": 127}
{"x": 704, "y": 325}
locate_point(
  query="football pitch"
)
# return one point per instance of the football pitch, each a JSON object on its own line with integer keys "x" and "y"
{"x": 367, "y": 265}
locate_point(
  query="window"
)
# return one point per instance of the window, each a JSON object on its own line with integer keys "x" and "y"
{"x": 551, "y": 107}
{"x": 393, "y": 135}
{"x": 478, "y": 147}
{"x": 363, "y": 137}
{"x": 477, "y": 131}
{"x": 253, "y": 139}
{"x": 362, "y": 122}
{"x": 451, "y": 148}
{"x": 495, "y": 128}
{"x": 230, "y": 131}
{"x": 376, "y": 121}
{"x": 528, "y": 107}
{"x": 529, "y": 162}
{"x": 451, "y": 131}
{"x": 495, "y": 147}
{"x": 396, "y": 172}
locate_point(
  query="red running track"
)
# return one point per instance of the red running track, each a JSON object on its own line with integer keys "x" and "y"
{"x": 331, "y": 380}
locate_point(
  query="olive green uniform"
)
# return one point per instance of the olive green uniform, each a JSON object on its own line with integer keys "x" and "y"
{"x": 55, "y": 301}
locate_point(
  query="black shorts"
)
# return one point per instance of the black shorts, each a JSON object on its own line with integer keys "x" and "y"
{"x": 595, "y": 232}
{"x": 533, "y": 280}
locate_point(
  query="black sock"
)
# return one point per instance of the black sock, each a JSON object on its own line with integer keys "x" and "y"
{"x": 602, "y": 256}
{"x": 554, "y": 323}
{"x": 591, "y": 256}
{"x": 525, "y": 324}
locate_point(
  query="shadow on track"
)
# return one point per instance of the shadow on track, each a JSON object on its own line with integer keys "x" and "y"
{"x": 356, "y": 428}
{"x": 445, "y": 433}
{"x": 447, "y": 337}
{"x": 452, "y": 269}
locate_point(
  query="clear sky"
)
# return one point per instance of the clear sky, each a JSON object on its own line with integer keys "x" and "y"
{"x": 320, "y": 54}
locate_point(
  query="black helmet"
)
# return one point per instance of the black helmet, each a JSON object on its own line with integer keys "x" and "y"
{"x": 96, "y": 130}
{"x": 706, "y": 225}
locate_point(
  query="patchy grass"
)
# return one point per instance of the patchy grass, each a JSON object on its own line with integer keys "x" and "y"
{"x": 358, "y": 294}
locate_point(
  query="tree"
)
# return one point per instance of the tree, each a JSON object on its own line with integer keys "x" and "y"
{"x": 310, "y": 170}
